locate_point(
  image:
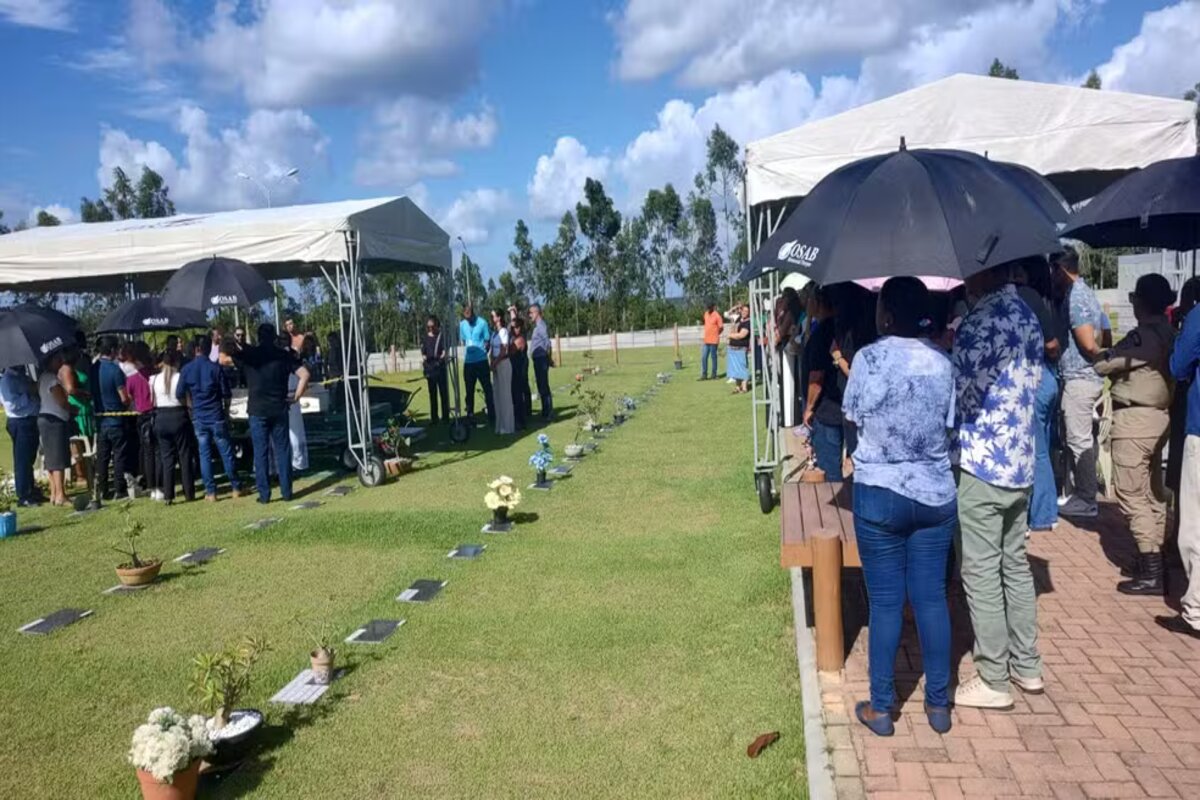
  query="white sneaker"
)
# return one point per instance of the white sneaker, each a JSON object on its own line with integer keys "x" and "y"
{"x": 156, "y": 494}
{"x": 977, "y": 694}
{"x": 1028, "y": 685}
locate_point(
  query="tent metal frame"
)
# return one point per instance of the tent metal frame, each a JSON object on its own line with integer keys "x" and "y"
{"x": 345, "y": 280}
{"x": 765, "y": 387}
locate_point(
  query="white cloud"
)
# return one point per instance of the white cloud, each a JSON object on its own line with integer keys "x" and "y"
{"x": 558, "y": 178}
{"x": 265, "y": 145}
{"x": 674, "y": 149}
{"x": 49, "y": 14}
{"x": 1164, "y": 57}
{"x": 304, "y": 52}
{"x": 473, "y": 214}
{"x": 723, "y": 42}
{"x": 414, "y": 138}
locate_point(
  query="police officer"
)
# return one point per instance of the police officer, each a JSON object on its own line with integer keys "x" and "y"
{"x": 1141, "y": 397}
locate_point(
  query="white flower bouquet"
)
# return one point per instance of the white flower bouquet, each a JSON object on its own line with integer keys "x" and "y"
{"x": 503, "y": 494}
{"x": 168, "y": 742}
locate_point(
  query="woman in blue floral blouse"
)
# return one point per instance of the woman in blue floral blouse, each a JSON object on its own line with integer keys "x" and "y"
{"x": 900, "y": 397}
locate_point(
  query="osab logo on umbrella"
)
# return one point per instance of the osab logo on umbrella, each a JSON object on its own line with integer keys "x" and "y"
{"x": 52, "y": 345}
{"x": 798, "y": 253}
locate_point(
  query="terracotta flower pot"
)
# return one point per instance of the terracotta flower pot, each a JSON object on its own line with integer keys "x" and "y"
{"x": 181, "y": 787}
{"x": 139, "y": 576}
{"x": 322, "y": 665}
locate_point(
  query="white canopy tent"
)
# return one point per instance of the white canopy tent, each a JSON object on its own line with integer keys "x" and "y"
{"x": 334, "y": 240}
{"x": 389, "y": 234}
{"x": 1081, "y": 139}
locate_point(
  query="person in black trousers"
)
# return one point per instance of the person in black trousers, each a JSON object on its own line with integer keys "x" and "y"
{"x": 433, "y": 363}
{"x": 539, "y": 353}
{"x": 519, "y": 355}
{"x": 116, "y": 430}
{"x": 172, "y": 431}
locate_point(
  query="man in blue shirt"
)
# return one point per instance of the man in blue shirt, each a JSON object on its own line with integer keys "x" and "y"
{"x": 115, "y": 430}
{"x": 539, "y": 348}
{"x": 476, "y": 335}
{"x": 1082, "y": 387}
{"x": 21, "y": 406}
{"x": 997, "y": 360}
{"x": 207, "y": 385}
{"x": 1185, "y": 367}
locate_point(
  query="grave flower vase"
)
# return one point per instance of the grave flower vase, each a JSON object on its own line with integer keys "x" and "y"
{"x": 8, "y": 524}
{"x": 500, "y": 516}
{"x": 182, "y": 785}
{"x": 322, "y": 665}
{"x": 541, "y": 476}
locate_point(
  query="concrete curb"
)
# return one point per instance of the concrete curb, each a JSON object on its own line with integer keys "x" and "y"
{"x": 817, "y": 756}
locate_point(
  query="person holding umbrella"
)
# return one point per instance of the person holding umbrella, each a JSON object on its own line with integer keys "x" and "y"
{"x": 997, "y": 359}
{"x": 205, "y": 385}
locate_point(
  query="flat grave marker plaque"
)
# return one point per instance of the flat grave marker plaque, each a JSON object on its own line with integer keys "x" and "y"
{"x": 307, "y": 505}
{"x": 301, "y": 690}
{"x": 421, "y": 591}
{"x": 200, "y": 555}
{"x": 564, "y": 469}
{"x": 121, "y": 588}
{"x": 339, "y": 491}
{"x": 374, "y": 631}
{"x": 467, "y": 551}
{"x": 261, "y": 524}
{"x": 52, "y": 622}
{"x": 492, "y": 527}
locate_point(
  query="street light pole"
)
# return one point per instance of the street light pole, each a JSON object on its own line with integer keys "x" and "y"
{"x": 291, "y": 173}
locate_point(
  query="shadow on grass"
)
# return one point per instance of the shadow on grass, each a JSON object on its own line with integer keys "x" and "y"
{"x": 523, "y": 517}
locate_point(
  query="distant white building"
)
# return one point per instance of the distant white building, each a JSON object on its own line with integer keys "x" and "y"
{"x": 1177, "y": 267}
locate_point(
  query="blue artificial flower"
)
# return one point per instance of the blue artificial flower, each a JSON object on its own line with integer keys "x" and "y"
{"x": 543, "y": 439}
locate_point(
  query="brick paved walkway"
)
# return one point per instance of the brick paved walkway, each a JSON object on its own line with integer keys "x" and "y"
{"x": 1120, "y": 717}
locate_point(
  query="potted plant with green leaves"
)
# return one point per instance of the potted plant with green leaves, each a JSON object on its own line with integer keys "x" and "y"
{"x": 590, "y": 367}
{"x": 137, "y": 571}
{"x": 588, "y": 403}
{"x": 395, "y": 447}
{"x": 502, "y": 497}
{"x": 166, "y": 751}
{"x": 220, "y": 681}
{"x": 323, "y": 653}
{"x": 8, "y": 505}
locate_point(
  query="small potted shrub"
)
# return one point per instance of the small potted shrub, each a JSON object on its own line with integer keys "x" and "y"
{"x": 137, "y": 571}
{"x": 166, "y": 751}
{"x": 395, "y": 447}
{"x": 503, "y": 496}
{"x": 323, "y": 654}
{"x": 220, "y": 680}
{"x": 542, "y": 459}
{"x": 8, "y": 504}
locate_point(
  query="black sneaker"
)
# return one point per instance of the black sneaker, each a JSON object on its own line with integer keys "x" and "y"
{"x": 1080, "y": 509}
{"x": 1177, "y": 625}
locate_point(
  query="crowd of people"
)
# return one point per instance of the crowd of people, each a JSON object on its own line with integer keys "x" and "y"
{"x": 152, "y": 420}
{"x": 968, "y": 422}
{"x": 497, "y": 356}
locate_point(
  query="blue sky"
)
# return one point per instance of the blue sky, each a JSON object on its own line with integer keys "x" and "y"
{"x": 490, "y": 110}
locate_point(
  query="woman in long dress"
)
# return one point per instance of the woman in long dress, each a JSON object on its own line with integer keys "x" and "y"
{"x": 498, "y": 353}
{"x": 296, "y": 433}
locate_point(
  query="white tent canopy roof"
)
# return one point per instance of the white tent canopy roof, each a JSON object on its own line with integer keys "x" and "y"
{"x": 286, "y": 242}
{"x": 1063, "y": 131}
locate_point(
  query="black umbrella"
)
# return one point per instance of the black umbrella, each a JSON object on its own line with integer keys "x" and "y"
{"x": 29, "y": 334}
{"x": 1158, "y": 206}
{"x": 150, "y": 314}
{"x": 215, "y": 282}
{"x": 936, "y": 213}
{"x": 1047, "y": 196}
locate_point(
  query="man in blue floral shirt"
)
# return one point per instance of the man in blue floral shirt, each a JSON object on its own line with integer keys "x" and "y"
{"x": 997, "y": 363}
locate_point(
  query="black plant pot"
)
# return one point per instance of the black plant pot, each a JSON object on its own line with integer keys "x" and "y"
{"x": 232, "y": 750}
{"x": 678, "y": 365}
{"x": 500, "y": 516}
{"x": 618, "y": 419}
{"x": 541, "y": 476}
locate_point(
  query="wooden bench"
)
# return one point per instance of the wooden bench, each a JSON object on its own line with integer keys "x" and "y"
{"x": 817, "y": 531}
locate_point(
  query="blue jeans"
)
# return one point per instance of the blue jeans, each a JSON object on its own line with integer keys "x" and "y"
{"x": 209, "y": 433}
{"x": 905, "y": 548}
{"x": 23, "y": 431}
{"x": 271, "y": 433}
{"x": 1043, "y": 504}
{"x": 705, "y": 352}
{"x": 827, "y": 443}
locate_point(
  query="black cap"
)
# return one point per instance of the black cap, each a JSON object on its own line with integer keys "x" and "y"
{"x": 1155, "y": 291}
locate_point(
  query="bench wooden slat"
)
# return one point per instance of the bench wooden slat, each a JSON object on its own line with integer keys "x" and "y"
{"x": 815, "y": 510}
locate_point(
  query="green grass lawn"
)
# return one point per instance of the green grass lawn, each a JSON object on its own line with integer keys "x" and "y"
{"x": 628, "y": 642}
